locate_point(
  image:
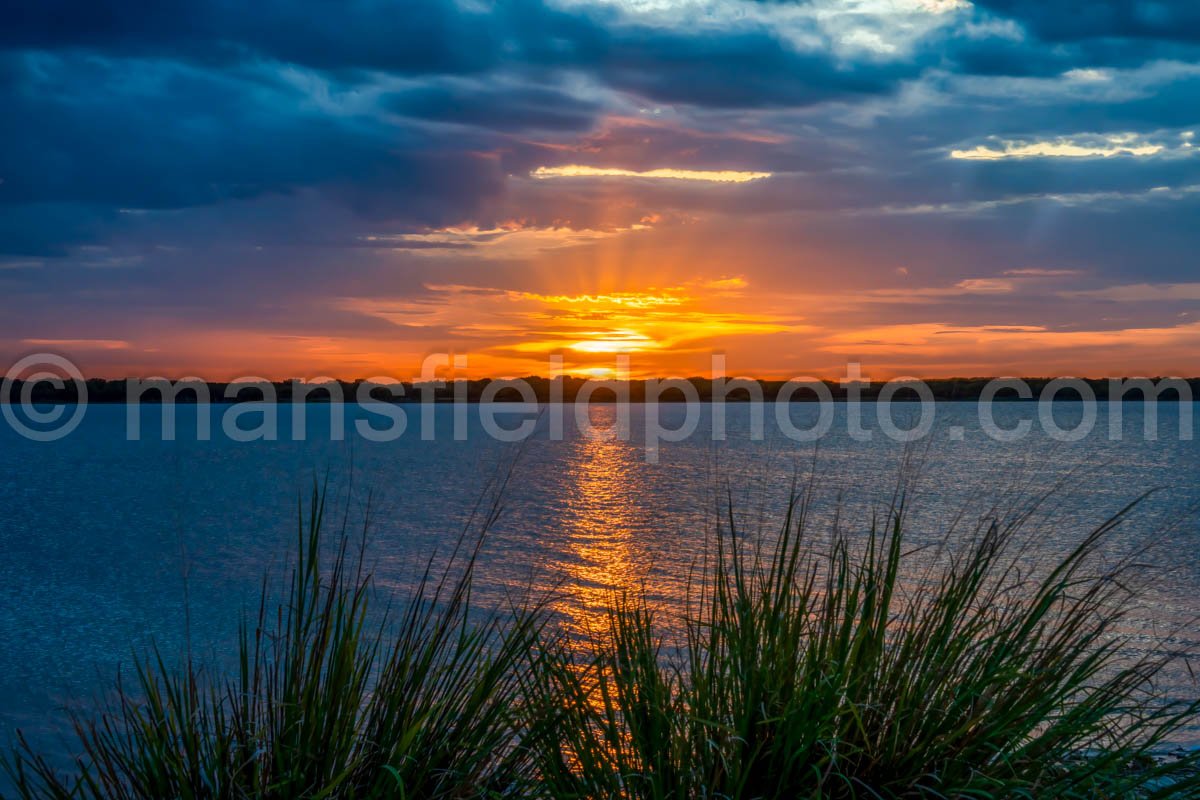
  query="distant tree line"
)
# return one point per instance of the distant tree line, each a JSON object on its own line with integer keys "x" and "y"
{"x": 569, "y": 389}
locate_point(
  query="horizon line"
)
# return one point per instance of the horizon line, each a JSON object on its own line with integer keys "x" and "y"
{"x": 629, "y": 379}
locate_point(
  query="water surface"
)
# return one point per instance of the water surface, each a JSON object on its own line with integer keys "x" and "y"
{"x": 104, "y": 542}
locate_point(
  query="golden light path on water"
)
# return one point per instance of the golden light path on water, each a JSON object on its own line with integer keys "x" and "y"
{"x": 601, "y": 518}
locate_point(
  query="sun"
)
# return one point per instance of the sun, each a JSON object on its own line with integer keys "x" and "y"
{"x": 596, "y": 373}
{"x": 623, "y": 340}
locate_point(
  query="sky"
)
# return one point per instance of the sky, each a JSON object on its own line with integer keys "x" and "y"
{"x": 304, "y": 188}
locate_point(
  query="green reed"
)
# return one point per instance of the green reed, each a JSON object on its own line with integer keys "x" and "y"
{"x": 836, "y": 665}
{"x": 836, "y": 670}
{"x": 324, "y": 703}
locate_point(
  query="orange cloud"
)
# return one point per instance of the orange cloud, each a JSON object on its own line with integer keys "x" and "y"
{"x": 726, "y": 284}
{"x": 79, "y": 344}
{"x": 665, "y": 173}
{"x": 512, "y": 238}
{"x": 515, "y": 329}
{"x": 997, "y": 344}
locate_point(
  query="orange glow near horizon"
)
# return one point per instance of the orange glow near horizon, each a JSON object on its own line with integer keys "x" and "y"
{"x": 669, "y": 308}
{"x": 513, "y": 334}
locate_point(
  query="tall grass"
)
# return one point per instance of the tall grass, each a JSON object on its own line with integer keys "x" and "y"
{"x": 830, "y": 669}
{"x": 826, "y": 662}
{"x": 325, "y": 703}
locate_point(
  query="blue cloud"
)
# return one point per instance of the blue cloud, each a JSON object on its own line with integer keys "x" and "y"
{"x": 182, "y": 136}
{"x": 1174, "y": 20}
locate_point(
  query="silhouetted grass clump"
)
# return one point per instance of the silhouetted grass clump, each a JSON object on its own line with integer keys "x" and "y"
{"x": 839, "y": 666}
{"x": 325, "y": 703}
{"x": 830, "y": 671}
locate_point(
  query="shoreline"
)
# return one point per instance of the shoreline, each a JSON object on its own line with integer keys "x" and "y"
{"x": 600, "y": 392}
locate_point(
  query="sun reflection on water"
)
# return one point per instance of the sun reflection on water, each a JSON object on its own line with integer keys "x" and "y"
{"x": 601, "y": 517}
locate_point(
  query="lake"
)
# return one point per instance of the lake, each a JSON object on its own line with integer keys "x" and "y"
{"x": 104, "y": 542}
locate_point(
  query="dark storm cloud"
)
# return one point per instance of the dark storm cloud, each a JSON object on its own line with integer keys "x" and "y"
{"x": 151, "y": 134}
{"x": 1172, "y": 20}
{"x": 1030, "y": 55}
{"x": 484, "y": 105}
{"x": 441, "y": 37}
{"x": 413, "y": 36}
{"x": 738, "y": 70}
{"x": 214, "y": 161}
{"x": 170, "y": 105}
{"x": 99, "y": 135}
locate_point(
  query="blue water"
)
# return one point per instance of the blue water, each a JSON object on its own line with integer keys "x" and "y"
{"x": 104, "y": 542}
